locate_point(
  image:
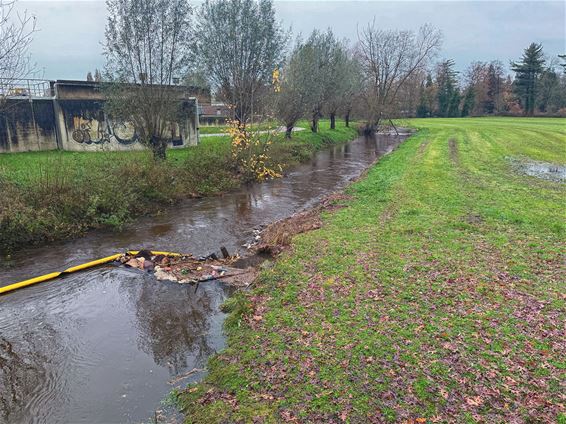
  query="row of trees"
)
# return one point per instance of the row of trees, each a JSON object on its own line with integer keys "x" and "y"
{"x": 484, "y": 89}
{"x": 239, "y": 50}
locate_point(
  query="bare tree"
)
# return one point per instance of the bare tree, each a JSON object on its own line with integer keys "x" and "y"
{"x": 239, "y": 44}
{"x": 16, "y": 32}
{"x": 389, "y": 58}
{"x": 147, "y": 46}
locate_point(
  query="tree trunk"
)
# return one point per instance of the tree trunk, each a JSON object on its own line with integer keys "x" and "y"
{"x": 332, "y": 121}
{"x": 314, "y": 123}
{"x": 347, "y": 119}
{"x": 289, "y": 131}
{"x": 158, "y": 147}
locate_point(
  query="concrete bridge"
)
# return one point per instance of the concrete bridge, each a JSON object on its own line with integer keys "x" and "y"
{"x": 69, "y": 115}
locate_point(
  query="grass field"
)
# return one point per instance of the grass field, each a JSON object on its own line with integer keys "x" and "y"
{"x": 54, "y": 195}
{"x": 436, "y": 295}
{"x": 221, "y": 129}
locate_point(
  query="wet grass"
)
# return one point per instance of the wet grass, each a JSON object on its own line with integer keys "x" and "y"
{"x": 221, "y": 129}
{"x": 437, "y": 295}
{"x": 55, "y": 195}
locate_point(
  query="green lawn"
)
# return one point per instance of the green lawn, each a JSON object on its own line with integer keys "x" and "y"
{"x": 222, "y": 129}
{"x": 437, "y": 294}
{"x": 54, "y": 195}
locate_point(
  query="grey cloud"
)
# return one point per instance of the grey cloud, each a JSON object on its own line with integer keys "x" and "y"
{"x": 69, "y": 43}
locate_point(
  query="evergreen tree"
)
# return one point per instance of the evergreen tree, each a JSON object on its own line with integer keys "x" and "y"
{"x": 468, "y": 103}
{"x": 551, "y": 92}
{"x": 89, "y": 77}
{"x": 448, "y": 94}
{"x": 527, "y": 74}
{"x": 454, "y": 106}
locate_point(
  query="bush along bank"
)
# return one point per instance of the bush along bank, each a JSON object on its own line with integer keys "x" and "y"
{"x": 48, "y": 196}
{"x": 435, "y": 295}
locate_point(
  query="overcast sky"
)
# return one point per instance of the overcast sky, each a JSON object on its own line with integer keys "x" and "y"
{"x": 69, "y": 42}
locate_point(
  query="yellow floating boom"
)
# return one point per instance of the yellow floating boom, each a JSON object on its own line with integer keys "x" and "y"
{"x": 76, "y": 268}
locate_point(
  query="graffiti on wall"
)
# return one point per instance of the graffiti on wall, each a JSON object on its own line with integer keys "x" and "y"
{"x": 90, "y": 131}
{"x": 100, "y": 130}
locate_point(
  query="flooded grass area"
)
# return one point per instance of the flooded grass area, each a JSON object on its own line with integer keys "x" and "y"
{"x": 543, "y": 170}
{"x": 105, "y": 345}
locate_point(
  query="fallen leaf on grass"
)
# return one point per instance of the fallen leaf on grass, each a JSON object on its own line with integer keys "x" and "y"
{"x": 474, "y": 401}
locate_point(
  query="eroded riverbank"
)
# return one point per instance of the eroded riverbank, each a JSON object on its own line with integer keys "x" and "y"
{"x": 102, "y": 346}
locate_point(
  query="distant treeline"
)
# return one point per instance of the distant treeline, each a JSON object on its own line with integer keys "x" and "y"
{"x": 538, "y": 87}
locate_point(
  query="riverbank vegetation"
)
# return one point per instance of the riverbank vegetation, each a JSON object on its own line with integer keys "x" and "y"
{"x": 435, "y": 295}
{"x": 54, "y": 195}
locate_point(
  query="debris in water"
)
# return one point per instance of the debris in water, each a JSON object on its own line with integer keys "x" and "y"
{"x": 190, "y": 270}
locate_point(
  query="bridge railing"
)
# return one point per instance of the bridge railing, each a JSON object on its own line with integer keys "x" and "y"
{"x": 25, "y": 88}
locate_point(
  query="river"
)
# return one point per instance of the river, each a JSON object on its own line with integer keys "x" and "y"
{"x": 106, "y": 345}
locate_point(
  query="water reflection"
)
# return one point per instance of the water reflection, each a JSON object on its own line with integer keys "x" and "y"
{"x": 174, "y": 323}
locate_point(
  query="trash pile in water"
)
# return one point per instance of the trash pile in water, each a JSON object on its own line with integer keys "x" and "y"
{"x": 186, "y": 269}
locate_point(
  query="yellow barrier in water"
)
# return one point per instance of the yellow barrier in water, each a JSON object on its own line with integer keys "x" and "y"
{"x": 76, "y": 268}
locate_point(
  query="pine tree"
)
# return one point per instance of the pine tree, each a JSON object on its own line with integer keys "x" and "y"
{"x": 89, "y": 77}
{"x": 448, "y": 94}
{"x": 548, "y": 92}
{"x": 468, "y": 103}
{"x": 97, "y": 75}
{"x": 527, "y": 74}
{"x": 454, "y": 106}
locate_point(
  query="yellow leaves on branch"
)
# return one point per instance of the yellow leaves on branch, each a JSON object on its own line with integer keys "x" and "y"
{"x": 251, "y": 153}
{"x": 275, "y": 80}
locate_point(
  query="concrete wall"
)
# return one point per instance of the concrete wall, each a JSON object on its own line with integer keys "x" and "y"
{"x": 27, "y": 126}
{"x": 74, "y": 119}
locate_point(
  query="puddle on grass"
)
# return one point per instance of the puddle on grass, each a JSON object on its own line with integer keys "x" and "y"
{"x": 543, "y": 170}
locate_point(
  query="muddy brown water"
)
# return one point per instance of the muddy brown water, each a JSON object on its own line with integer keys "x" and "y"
{"x": 104, "y": 346}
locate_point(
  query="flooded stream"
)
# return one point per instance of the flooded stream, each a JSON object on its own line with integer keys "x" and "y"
{"x": 107, "y": 345}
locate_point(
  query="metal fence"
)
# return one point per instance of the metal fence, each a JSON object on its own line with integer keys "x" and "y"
{"x": 25, "y": 88}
